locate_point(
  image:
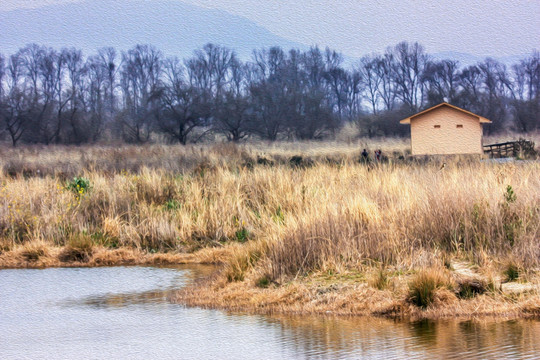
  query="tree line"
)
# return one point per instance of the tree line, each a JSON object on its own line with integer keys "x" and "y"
{"x": 51, "y": 96}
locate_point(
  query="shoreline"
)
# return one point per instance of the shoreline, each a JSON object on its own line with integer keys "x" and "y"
{"x": 57, "y": 257}
{"x": 354, "y": 300}
{"x": 351, "y": 294}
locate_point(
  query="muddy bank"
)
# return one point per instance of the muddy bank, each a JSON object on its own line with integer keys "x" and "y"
{"x": 355, "y": 294}
{"x": 43, "y": 256}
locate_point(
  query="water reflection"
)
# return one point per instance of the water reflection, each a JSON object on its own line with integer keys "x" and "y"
{"x": 383, "y": 338}
{"x": 185, "y": 274}
{"x": 125, "y": 312}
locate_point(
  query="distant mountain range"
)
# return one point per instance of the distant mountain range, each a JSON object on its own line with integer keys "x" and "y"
{"x": 174, "y": 27}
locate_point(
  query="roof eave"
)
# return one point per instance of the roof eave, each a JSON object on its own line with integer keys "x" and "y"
{"x": 481, "y": 118}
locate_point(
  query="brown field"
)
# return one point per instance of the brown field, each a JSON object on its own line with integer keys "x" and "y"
{"x": 317, "y": 233}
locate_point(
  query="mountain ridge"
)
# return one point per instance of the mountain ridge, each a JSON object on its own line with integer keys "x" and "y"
{"x": 174, "y": 27}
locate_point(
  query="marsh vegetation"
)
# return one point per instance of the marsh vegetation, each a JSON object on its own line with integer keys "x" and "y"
{"x": 294, "y": 230}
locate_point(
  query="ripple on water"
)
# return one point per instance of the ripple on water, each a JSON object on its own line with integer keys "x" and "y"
{"x": 125, "y": 312}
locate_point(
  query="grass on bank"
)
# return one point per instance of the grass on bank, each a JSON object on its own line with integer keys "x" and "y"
{"x": 276, "y": 223}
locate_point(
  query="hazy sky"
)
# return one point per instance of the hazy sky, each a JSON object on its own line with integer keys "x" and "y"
{"x": 356, "y": 27}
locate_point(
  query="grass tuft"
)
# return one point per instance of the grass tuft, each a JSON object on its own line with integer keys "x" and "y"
{"x": 379, "y": 279}
{"x": 263, "y": 282}
{"x": 33, "y": 251}
{"x": 511, "y": 272}
{"x": 78, "y": 249}
{"x": 424, "y": 285}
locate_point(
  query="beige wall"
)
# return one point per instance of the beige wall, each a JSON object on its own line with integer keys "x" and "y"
{"x": 448, "y": 139}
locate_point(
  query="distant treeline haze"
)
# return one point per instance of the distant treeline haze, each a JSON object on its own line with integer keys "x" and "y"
{"x": 50, "y": 96}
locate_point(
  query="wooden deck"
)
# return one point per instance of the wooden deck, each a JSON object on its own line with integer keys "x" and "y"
{"x": 521, "y": 148}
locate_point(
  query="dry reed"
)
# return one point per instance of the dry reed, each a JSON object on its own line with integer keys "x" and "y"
{"x": 272, "y": 221}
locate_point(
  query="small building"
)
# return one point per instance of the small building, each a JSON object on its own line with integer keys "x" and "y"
{"x": 445, "y": 129}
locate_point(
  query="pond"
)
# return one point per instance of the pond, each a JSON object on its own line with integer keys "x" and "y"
{"x": 124, "y": 312}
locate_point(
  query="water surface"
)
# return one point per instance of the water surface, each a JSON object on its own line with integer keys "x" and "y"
{"x": 124, "y": 312}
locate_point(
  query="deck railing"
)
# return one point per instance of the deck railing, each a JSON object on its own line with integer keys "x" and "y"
{"x": 521, "y": 148}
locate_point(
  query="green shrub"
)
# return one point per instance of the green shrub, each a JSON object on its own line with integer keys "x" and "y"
{"x": 105, "y": 240}
{"x": 172, "y": 205}
{"x": 263, "y": 282}
{"x": 279, "y": 216}
{"x": 510, "y": 195}
{"x": 242, "y": 235}
{"x": 511, "y": 272}
{"x": 512, "y": 223}
{"x": 79, "y": 186}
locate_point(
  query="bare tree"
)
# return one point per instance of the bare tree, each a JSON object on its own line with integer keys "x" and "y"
{"x": 387, "y": 89}
{"x": 80, "y": 131}
{"x": 409, "y": 66}
{"x": 442, "y": 80}
{"x": 49, "y": 96}
{"x": 95, "y": 98}
{"x": 494, "y": 93}
{"x": 234, "y": 113}
{"x": 181, "y": 103}
{"x": 524, "y": 92}
{"x": 14, "y": 102}
{"x": 268, "y": 92}
{"x": 141, "y": 84}
{"x": 371, "y": 81}
{"x": 106, "y": 58}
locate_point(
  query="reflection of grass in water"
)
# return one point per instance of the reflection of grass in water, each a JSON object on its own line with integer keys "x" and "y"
{"x": 121, "y": 300}
{"x": 129, "y": 299}
{"x": 355, "y": 337}
{"x": 425, "y": 331}
{"x": 155, "y": 296}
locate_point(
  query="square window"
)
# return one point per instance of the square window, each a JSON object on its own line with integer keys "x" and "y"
{"x": 437, "y": 126}
{"x": 459, "y": 126}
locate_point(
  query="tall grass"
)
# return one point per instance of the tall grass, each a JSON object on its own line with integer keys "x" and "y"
{"x": 329, "y": 212}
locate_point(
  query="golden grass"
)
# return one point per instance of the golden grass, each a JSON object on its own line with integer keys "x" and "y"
{"x": 352, "y": 298}
{"x": 275, "y": 223}
{"x": 428, "y": 285}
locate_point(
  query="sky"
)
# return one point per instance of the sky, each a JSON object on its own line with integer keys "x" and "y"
{"x": 357, "y": 27}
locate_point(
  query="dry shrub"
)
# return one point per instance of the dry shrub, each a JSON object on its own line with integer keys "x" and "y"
{"x": 154, "y": 187}
{"x": 165, "y": 259}
{"x": 443, "y": 297}
{"x": 5, "y": 245}
{"x": 104, "y": 257}
{"x": 242, "y": 259}
{"x": 403, "y": 214}
{"x": 425, "y": 285}
{"x": 470, "y": 287}
{"x": 342, "y": 238}
{"x": 79, "y": 248}
{"x": 531, "y": 307}
{"x": 33, "y": 251}
{"x": 379, "y": 279}
{"x": 212, "y": 255}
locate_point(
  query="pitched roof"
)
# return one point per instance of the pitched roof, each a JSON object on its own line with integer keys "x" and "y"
{"x": 408, "y": 120}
